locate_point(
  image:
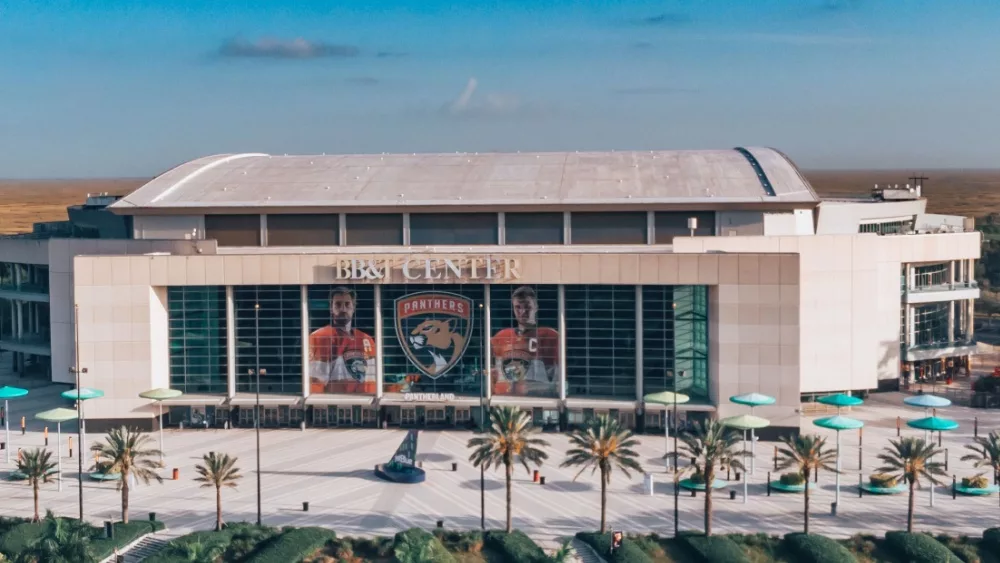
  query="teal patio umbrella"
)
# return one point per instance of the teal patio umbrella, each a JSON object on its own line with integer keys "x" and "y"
{"x": 667, "y": 398}
{"x": 753, "y": 400}
{"x": 82, "y": 395}
{"x": 840, "y": 400}
{"x": 159, "y": 395}
{"x": 7, "y": 393}
{"x": 838, "y": 423}
{"x": 933, "y": 424}
{"x": 58, "y": 416}
{"x": 745, "y": 422}
{"x": 927, "y": 401}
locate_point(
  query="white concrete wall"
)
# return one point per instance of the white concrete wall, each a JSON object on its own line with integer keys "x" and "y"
{"x": 183, "y": 227}
{"x": 844, "y": 217}
{"x": 798, "y": 222}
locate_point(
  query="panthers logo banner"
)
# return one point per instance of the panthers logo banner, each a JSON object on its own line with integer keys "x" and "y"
{"x": 434, "y": 328}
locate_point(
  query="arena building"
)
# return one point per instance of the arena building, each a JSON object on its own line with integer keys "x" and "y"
{"x": 412, "y": 290}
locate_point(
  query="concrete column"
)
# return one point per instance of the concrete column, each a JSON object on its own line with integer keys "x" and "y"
{"x": 230, "y": 342}
{"x": 638, "y": 343}
{"x": 487, "y": 351}
{"x": 501, "y": 228}
{"x": 910, "y": 324}
{"x": 406, "y": 229}
{"x": 562, "y": 342}
{"x": 567, "y": 231}
{"x": 342, "y": 227}
{"x": 951, "y": 319}
{"x": 304, "y": 301}
{"x": 911, "y": 276}
{"x": 970, "y": 318}
{"x": 952, "y": 272}
{"x": 650, "y": 227}
{"x": 379, "y": 358}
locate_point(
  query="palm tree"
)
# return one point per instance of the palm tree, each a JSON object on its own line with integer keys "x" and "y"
{"x": 36, "y": 464}
{"x": 508, "y": 438}
{"x": 712, "y": 445}
{"x": 602, "y": 445}
{"x": 910, "y": 459}
{"x": 196, "y": 552}
{"x": 61, "y": 541}
{"x": 987, "y": 452}
{"x": 218, "y": 471}
{"x": 807, "y": 454}
{"x": 126, "y": 451}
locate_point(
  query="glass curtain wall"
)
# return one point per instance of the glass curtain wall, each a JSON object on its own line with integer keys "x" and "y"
{"x": 524, "y": 340}
{"x": 276, "y": 335}
{"x": 600, "y": 341}
{"x": 197, "y": 324}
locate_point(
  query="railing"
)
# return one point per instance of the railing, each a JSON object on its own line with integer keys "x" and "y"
{"x": 942, "y": 287}
{"x": 942, "y": 344}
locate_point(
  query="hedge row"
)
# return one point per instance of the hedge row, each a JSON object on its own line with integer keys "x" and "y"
{"x": 18, "y": 537}
{"x": 812, "y": 548}
{"x": 515, "y": 547}
{"x": 919, "y": 548}
{"x": 420, "y": 546}
{"x": 629, "y": 552}
{"x": 293, "y": 545}
{"x": 713, "y": 549}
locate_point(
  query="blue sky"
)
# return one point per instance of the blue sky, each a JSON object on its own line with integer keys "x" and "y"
{"x": 96, "y": 88}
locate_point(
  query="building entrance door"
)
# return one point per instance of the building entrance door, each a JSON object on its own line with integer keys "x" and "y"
{"x": 270, "y": 417}
{"x": 319, "y": 416}
{"x": 345, "y": 416}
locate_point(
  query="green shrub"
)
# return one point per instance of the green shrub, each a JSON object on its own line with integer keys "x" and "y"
{"x": 515, "y": 547}
{"x": 792, "y": 479}
{"x": 883, "y": 480}
{"x": 461, "y": 542}
{"x": 976, "y": 482}
{"x": 630, "y": 552}
{"x": 419, "y": 546}
{"x": 918, "y": 548}
{"x": 713, "y": 549}
{"x": 812, "y": 548}
{"x": 962, "y": 546}
{"x": 294, "y": 544}
{"x": 758, "y": 547}
{"x": 991, "y": 541}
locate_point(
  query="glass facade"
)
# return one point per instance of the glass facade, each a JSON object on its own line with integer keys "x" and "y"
{"x": 600, "y": 341}
{"x": 303, "y": 230}
{"x": 670, "y": 224}
{"x": 274, "y": 332}
{"x": 930, "y": 324}
{"x": 608, "y": 228}
{"x": 533, "y": 228}
{"x": 376, "y": 229}
{"x": 233, "y": 230}
{"x": 197, "y": 324}
{"x": 427, "y": 229}
{"x": 433, "y": 339}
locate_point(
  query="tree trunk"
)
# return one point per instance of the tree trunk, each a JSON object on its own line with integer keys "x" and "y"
{"x": 709, "y": 479}
{"x": 604, "y": 501}
{"x": 218, "y": 508}
{"x": 909, "y": 508}
{"x": 806, "y": 475}
{"x": 510, "y": 470}
{"x": 125, "y": 477}
{"x": 34, "y": 489}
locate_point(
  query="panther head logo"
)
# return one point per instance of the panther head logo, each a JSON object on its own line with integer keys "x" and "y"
{"x": 434, "y": 329}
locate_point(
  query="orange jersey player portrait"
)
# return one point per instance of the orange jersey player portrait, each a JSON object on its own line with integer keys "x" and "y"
{"x": 525, "y": 357}
{"x": 341, "y": 357}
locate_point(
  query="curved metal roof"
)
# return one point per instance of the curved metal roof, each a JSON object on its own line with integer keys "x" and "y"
{"x": 750, "y": 175}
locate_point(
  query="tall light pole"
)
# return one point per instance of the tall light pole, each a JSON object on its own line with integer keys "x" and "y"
{"x": 77, "y": 370}
{"x": 256, "y": 410}
{"x": 482, "y": 414}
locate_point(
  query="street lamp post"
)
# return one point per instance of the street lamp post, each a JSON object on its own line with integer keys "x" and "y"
{"x": 676, "y": 462}
{"x": 257, "y": 372}
{"x": 77, "y": 370}
{"x": 482, "y": 415}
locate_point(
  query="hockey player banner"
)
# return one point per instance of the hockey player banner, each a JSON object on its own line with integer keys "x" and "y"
{"x": 524, "y": 342}
{"x": 342, "y": 355}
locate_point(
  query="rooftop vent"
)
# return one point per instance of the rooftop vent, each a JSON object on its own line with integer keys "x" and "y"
{"x": 896, "y": 193}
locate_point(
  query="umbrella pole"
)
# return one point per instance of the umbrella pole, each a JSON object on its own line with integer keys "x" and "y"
{"x": 160, "y": 424}
{"x": 83, "y": 425}
{"x": 59, "y": 451}
{"x": 753, "y": 447}
{"x": 6, "y": 424}
{"x": 666, "y": 437}
{"x": 837, "y": 499}
{"x": 745, "y": 467}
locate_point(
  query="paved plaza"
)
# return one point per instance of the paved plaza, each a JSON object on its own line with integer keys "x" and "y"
{"x": 332, "y": 470}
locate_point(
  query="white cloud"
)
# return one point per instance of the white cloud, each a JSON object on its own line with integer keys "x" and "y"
{"x": 472, "y": 102}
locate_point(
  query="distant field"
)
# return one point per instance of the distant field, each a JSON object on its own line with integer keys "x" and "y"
{"x": 958, "y": 192}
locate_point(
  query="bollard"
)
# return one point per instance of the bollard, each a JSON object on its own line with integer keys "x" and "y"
{"x": 954, "y": 487}
{"x": 694, "y": 493}
{"x": 732, "y": 495}
{"x": 152, "y": 517}
{"x": 861, "y": 482}
{"x": 975, "y": 427}
{"x": 768, "y": 483}
{"x": 737, "y": 475}
{"x": 817, "y": 475}
{"x": 534, "y": 477}
{"x": 775, "y": 458}
{"x": 939, "y": 439}
{"x": 23, "y": 429}
{"x": 109, "y": 530}
{"x": 440, "y": 523}
{"x": 177, "y": 474}
{"x": 46, "y": 434}
{"x": 833, "y": 509}
{"x": 70, "y": 446}
{"x": 305, "y": 506}
{"x": 946, "y": 459}
{"x": 728, "y": 476}
{"x": 897, "y": 426}
{"x": 454, "y": 466}
{"x": 541, "y": 480}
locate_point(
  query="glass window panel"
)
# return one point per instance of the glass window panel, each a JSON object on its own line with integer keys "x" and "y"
{"x": 670, "y": 224}
{"x": 271, "y": 336}
{"x": 533, "y": 228}
{"x": 375, "y": 229}
{"x": 432, "y": 338}
{"x": 233, "y": 230}
{"x": 303, "y": 230}
{"x": 198, "y": 361}
{"x": 608, "y": 228}
{"x": 675, "y": 337}
{"x": 524, "y": 340}
{"x": 600, "y": 341}
{"x": 453, "y": 228}
{"x": 342, "y": 336}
